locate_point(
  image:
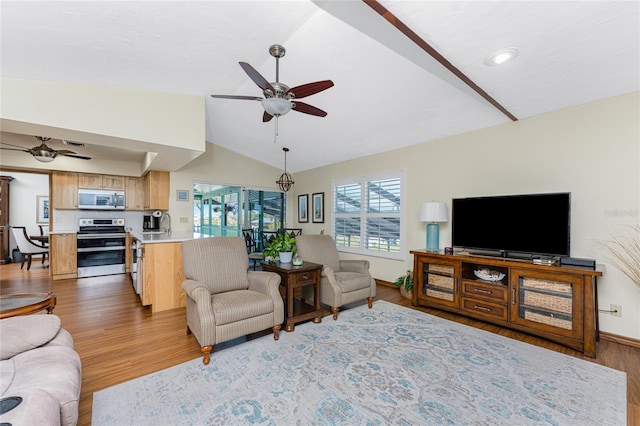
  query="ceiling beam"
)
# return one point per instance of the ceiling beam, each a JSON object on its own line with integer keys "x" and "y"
{"x": 411, "y": 35}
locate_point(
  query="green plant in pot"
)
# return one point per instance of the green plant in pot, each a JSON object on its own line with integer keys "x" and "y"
{"x": 281, "y": 247}
{"x": 405, "y": 283}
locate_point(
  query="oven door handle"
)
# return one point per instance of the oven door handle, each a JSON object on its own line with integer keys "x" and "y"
{"x": 92, "y": 249}
{"x": 96, "y": 236}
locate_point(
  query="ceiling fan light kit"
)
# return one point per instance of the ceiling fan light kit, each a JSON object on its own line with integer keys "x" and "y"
{"x": 276, "y": 106}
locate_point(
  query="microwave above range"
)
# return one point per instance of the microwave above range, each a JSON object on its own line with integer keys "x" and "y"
{"x": 99, "y": 199}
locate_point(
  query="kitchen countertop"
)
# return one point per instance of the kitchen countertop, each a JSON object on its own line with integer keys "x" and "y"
{"x": 162, "y": 237}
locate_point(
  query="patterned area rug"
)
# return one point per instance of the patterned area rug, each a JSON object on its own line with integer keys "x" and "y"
{"x": 386, "y": 365}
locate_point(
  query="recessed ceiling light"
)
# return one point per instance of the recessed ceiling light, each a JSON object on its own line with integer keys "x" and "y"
{"x": 501, "y": 56}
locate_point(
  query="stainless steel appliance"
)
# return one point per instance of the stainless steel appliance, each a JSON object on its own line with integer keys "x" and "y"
{"x": 100, "y": 199}
{"x": 150, "y": 223}
{"x": 101, "y": 247}
{"x": 136, "y": 274}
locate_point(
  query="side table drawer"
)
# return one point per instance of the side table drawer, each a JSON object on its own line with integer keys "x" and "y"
{"x": 305, "y": 278}
{"x": 485, "y": 308}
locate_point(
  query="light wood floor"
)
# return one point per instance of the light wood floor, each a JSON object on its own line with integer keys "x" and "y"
{"x": 118, "y": 339}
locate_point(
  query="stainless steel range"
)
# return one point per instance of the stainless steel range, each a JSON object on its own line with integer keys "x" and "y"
{"x": 101, "y": 247}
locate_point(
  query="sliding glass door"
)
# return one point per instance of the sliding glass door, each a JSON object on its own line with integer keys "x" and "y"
{"x": 222, "y": 210}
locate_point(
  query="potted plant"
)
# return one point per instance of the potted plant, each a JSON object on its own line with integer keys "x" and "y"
{"x": 281, "y": 247}
{"x": 405, "y": 283}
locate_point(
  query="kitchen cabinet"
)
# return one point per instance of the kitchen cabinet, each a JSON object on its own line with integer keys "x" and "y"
{"x": 63, "y": 260}
{"x": 162, "y": 276}
{"x": 94, "y": 181}
{"x": 156, "y": 190}
{"x": 64, "y": 190}
{"x": 135, "y": 193}
{"x": 557, "y": 303}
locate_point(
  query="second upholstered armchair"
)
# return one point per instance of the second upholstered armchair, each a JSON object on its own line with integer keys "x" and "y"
{"x": 341, "y": 281}
{"x": 224, "y": 300}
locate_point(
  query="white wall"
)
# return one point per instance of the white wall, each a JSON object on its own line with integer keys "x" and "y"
{"x": 592, "y": 151}
{"x": 23, "y": 190}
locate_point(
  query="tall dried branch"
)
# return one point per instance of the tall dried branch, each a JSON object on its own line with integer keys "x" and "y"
{"x": 623, "y": 251}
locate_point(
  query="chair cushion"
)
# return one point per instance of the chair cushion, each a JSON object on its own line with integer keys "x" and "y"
{"x": 319, "y": 249}
{"x": 352, "y": 281}
{"x": 23, "y": 333}
{"x": 238, "y": 305}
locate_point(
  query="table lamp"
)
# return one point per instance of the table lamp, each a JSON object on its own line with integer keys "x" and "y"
{"x": 433, "y": 212}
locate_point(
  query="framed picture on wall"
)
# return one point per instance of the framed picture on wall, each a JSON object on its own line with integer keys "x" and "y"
{"x": 42, "y": 209}
{"x": 182, "y": 195}
{"x": 318, "y": 207}
{"x": 303, "y": 208}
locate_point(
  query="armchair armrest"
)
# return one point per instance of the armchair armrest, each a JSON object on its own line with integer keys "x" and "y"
{"x": 359, "y": 266}
{"x": 200, "y": 294}
{"x": 264, "y": 282}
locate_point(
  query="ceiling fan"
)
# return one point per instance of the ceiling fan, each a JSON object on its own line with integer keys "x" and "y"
{"x": 278, "y": 98}
{"x": 43, "y": 153}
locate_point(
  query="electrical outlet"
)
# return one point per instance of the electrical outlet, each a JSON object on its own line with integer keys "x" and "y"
{"x": 184, "y": 220}
{"x": 616, "y": 310}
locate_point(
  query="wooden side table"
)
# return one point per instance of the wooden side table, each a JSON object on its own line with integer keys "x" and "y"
{"x": 294, "y": 277}
{"x": 26, "y": 303}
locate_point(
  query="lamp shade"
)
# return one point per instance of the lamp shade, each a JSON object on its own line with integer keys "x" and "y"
{"x": 433, "y": 212}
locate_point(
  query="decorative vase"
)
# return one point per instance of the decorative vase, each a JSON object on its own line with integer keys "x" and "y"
{"x": 285, "y": 256}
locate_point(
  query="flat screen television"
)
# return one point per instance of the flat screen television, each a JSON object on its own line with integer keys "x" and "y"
{"x": 513, "y": 225}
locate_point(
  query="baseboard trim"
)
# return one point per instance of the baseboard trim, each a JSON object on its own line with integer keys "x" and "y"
{"x": 385, "y": 283}
{"x": 623, "y": 340}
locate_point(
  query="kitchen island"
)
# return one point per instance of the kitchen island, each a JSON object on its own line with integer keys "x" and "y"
{"x": 160, "y": 273}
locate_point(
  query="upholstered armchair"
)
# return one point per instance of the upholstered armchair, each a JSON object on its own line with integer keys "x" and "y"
{"x": 224, "y": 300}
{"x": 341, "y": 281}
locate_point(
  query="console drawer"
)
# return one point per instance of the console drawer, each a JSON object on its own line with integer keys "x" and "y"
{"x": 488, "y": 309}
{"x": 493, "y": 292}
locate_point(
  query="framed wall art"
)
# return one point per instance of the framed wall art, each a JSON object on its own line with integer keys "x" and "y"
{"x": 318, "y": 207}
{"x": 303, "y": 208}
{"x": 42, "y": 209}
{"x": 182, "y": 195}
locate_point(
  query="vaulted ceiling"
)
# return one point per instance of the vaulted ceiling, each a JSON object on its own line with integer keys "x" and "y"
{"x": 390, "y": 91}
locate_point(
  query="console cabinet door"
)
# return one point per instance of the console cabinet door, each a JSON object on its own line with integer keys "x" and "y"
{"x": 547, "y": 301}
{"x": 437, "y": 281}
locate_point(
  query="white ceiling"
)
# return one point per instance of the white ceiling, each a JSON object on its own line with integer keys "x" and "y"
{"x": 388, "y": 92}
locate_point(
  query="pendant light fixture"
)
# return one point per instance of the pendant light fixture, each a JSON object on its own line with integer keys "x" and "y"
{"x": 285, "y": 181}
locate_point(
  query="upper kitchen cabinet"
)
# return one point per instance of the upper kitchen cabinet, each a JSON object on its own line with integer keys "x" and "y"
{"x": 93, "y": 181}
{"x": 135, "y": 193}
{"x": 64, "y": 190}
{"x": 156, "y": 190}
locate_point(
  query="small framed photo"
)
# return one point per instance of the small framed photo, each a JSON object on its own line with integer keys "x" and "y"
{"x": 42, "y": 209}
{"x": 303, "y": 208}
{"x": 182, "y": 195}
{"x": 318, "y": 207}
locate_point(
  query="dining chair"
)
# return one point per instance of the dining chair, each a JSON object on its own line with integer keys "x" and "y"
{"x": 255, "y": 256}
{"x": 294, "y": 232}
{"x": 27, "y": 246}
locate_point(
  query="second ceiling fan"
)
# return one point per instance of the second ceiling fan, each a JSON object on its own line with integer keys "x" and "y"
{"x": 278, "y": 98}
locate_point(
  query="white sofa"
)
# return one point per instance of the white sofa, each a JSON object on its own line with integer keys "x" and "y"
{"x": 39, "y": 365}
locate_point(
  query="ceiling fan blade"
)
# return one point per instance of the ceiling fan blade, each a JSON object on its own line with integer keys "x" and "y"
{"x": 308, "y": 109}
{"x": 248, "y": 98}
{"x": 266, "y": 117}
{"x": 257, "y": 77}
{"x": 20, "y": 148}
{"x": 309, "y": 89}
{"x": 15, "y": 149}
{"x": 81, "y": 157}
{"x": 65, "y": 152}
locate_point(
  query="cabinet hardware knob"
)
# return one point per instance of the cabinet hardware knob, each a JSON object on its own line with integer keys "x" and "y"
{"x": 479, "y": 290}
{"x": 481, "y": 308}
{"x": 513, "y": 296}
